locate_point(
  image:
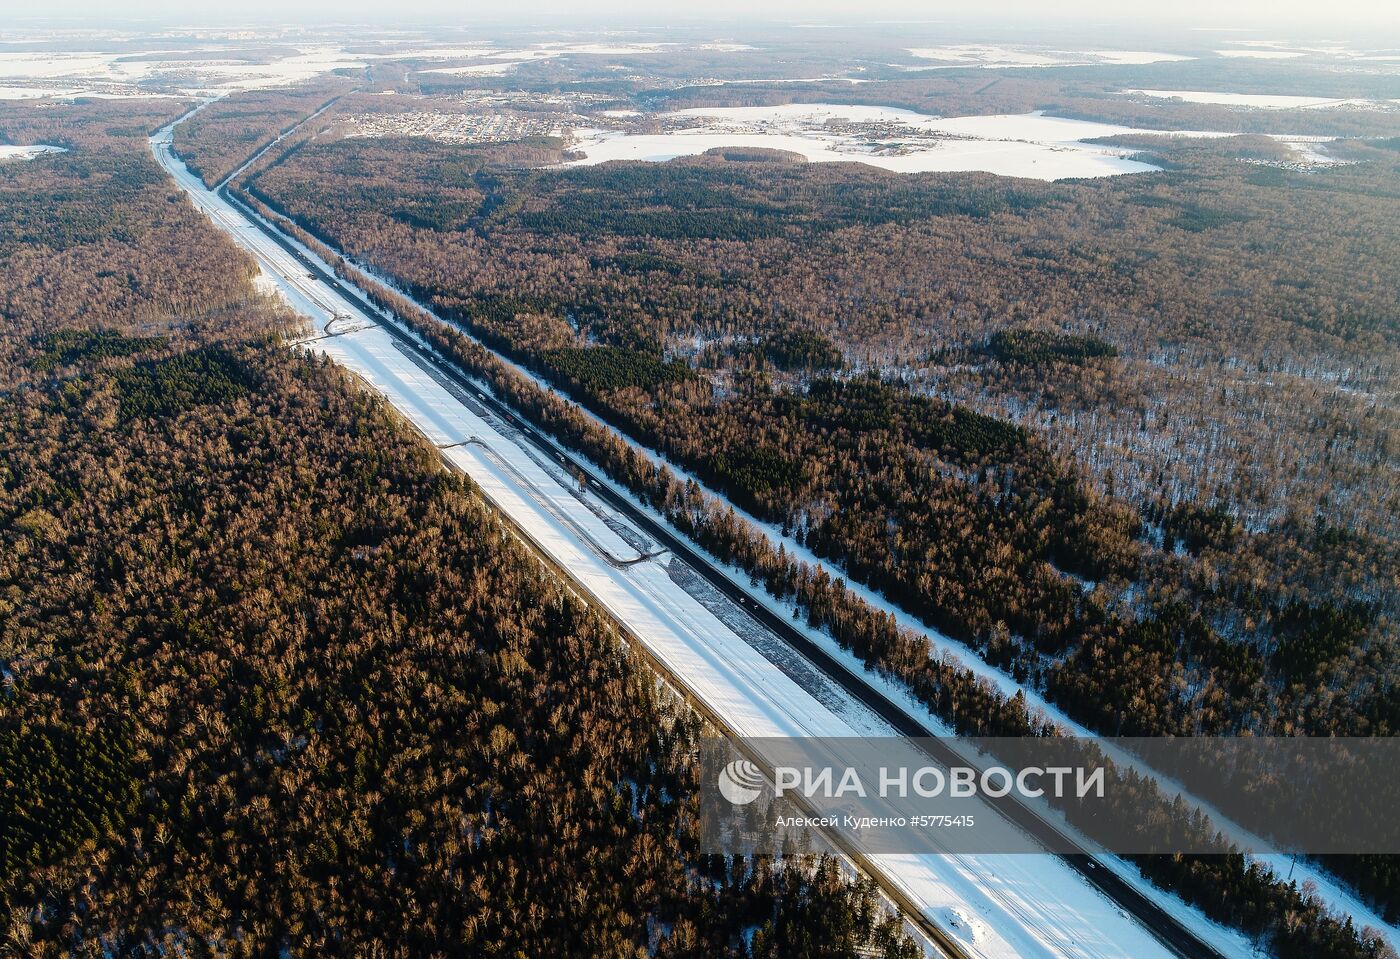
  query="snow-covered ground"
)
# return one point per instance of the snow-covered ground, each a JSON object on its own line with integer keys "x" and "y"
{"x": 1335, "y": 50}
{"x": 1029, "y": 145}
{"x": 1263, "y": 101}
{"x": 1307, "y": 151}
{"x": 8, "y": 152}
{"x": 1336, "y": 897}
{"x": 1023, "y": 906}
{"x": 1024, "y": 144}
{"x": 1262, "y": 54}
{"x": 902, "y": 141}
{"x": 503, "y": 61}
{"x": 990, "y": 55}
{"x": 768, "y": 80}
{"x": 36, "y": 92}
{"x": 489, "y": 68}
{"x": 198, "y": 70}
{"x": 48, "y": 91}
{"x": 120, "y": 74}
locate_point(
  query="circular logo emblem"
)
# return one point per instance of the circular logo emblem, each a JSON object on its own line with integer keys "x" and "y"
{"x": 740, "y": 782}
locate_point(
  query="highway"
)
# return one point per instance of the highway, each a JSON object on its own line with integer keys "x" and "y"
{"x": 525, "y": 473}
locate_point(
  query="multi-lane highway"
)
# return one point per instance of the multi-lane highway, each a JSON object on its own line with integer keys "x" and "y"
{"x": 642, "y": 573}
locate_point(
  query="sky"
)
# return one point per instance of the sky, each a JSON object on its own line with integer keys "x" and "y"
{"x": 1247, "y": 13}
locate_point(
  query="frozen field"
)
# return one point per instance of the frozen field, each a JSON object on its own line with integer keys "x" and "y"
{"x": 36, "y": 92}
{"x": 498, "y": 61}
{"x": 902, "y": 141}
{"x": 199, "y": 70}
{"x": 489, "y": 68}
{"x": 28, "y": 152}
{"x": 118, "y": 73}
{"x": 769, "y": 80}
{"x": 1262, "y": 54}
{"x": 1264, "y": 101}
{"x": 1282, "y": 49}
{"x": 987, "y": 55}
{"x": 1026, "y": 145}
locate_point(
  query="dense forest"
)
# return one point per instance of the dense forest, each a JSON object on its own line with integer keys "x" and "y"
{"x": 1049, "y": 456}
{"x": 1131, "y": 440}
{"x": 273, "y": 682}
{"x": 1277, "y": 914}
{"x": 228, "y": 132}
{"x": 1108, "y": 442}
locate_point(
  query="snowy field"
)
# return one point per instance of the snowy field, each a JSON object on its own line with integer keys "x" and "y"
{"x": 995, "y": 56}
{"x": 36, "y": 92}
{"x": 28, "y": 152}
{"x": 96, "y": 73}
{"x": 499, "y": 61}
{"x": 988, "y": 55}
{"x": 1028, "y": 145}
{"x": 200, "y": 71}
{"x": 1283, "y": 49}
{"x": 489, "y": 68}
{"x": 774, "y": 80}
{"x": 902, "y": 141}
{"x": 1262, "y": 54}
{"x": 1263, "y": 101}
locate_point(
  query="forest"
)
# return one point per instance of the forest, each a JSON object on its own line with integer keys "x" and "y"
{"x": 1186, "y": 487}
{"x": 1276, "y": 914}
{"x": 1132, "y": 440}
{"x": 272, "y": 681}
{"x": 1025, "y": 541}
{"x": 228, "y": 132}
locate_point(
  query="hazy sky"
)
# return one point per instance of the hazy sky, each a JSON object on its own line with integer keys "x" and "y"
{"x": 1251, "y": 13}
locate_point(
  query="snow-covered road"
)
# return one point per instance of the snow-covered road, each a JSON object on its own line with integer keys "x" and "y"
{"x": 996, "y": 907}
